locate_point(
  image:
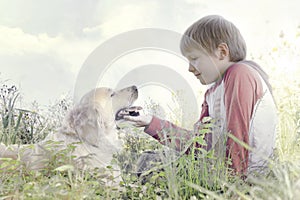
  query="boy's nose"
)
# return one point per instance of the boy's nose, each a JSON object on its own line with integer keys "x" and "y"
{"x": 191, "y": 68}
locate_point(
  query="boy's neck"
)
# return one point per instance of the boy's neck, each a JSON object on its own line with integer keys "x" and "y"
{"x": 224, "y": 66}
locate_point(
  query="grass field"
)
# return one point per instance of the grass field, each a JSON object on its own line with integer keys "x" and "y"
{"x": 182, "y": 178}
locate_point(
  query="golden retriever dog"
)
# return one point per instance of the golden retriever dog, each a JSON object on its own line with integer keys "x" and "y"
{"x": 90, "y": 126}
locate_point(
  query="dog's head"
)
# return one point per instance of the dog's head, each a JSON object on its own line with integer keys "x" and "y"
{"x": 110, "y": 100}
{"x": 94, "y": 117}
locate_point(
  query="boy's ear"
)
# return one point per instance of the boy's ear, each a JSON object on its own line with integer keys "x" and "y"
{"x": 222, "y": 51}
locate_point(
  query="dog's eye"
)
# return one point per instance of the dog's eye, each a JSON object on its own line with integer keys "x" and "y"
{"x": 112, "y": 94}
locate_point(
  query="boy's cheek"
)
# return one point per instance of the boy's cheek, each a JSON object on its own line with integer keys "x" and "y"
{"x": 197, "y": 66}
{"x": 193, "y": 63}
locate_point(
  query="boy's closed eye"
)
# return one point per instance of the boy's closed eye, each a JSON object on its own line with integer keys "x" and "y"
{"x": 191, "y": 58}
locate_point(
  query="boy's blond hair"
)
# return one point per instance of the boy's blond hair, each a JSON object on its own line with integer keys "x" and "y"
{"x": 210, "y": 31}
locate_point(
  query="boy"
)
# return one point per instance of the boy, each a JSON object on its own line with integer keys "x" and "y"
{"x": 239, "y": 100}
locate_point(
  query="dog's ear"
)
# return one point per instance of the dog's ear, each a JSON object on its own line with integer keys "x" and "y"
{"x": 87, "y": 123}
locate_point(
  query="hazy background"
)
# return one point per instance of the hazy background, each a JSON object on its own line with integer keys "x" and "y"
{"x": 43, "y": 43}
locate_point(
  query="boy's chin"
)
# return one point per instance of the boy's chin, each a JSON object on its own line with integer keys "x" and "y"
{"x": 204, "y": 82}
{"x": 207, "y": 82}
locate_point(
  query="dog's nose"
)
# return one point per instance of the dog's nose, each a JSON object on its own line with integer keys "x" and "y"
{"x": 134, "y": 88}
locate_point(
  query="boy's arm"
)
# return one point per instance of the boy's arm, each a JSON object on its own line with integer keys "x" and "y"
{"x": 166, "y": 132}
{"x": 243, "y": 88}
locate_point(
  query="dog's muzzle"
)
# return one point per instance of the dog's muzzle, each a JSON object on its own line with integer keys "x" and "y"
{"x": 130, "y": 111}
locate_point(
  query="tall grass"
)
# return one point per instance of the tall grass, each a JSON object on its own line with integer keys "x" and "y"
{"x": 176, "y": 177}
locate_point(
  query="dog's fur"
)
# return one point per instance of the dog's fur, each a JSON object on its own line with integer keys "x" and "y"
{"x": 90, "y": 125}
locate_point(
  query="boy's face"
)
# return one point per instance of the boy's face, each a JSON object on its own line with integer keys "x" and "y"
{"x": 203, "y": 65}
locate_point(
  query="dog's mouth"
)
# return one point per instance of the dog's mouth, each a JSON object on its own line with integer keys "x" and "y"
{"x": 129, "y": 111}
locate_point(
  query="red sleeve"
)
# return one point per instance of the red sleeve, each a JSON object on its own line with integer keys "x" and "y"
{"x": 205, "y": 113}
{"x": 166, "y": 132}
{"x": 242, "y": 90}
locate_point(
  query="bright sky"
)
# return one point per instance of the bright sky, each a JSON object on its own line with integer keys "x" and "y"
{"x": 43, "y": 44}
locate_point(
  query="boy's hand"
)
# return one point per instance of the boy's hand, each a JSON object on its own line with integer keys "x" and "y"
{"x": 132, "y": 114}
{"x": 139, "y": 121}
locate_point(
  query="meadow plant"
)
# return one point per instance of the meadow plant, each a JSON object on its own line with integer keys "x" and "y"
{"x": 198, "y": 175}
